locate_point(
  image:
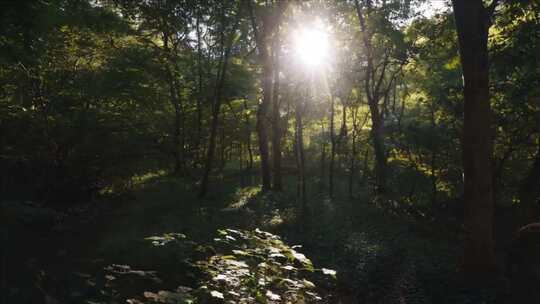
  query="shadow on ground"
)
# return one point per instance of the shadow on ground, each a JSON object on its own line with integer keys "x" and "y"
{"x": 379, "y": 258}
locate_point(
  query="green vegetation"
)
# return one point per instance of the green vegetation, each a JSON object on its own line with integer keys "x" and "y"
{"x": 248, "y": 151}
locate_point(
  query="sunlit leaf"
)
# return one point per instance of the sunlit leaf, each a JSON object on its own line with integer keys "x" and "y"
{"x": 329, "y": 272}
{"x": 308, "y": 284}
{"x": 216, "y": 294}
{"x": 272, "y": 296}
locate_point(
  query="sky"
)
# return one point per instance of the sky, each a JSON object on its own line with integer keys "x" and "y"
{"x": 432, "y": 7}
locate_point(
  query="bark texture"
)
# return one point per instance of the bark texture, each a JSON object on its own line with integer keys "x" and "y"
{"x": 472, "y": 22}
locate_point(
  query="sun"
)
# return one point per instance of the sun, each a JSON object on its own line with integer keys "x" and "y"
{"x": 312, "y": 46}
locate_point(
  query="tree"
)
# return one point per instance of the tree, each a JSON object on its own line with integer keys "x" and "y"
{"x": 472, "y": 22}
{"x": 515, "y": 105}
{"x": 276, "y": 119}
{"x": 270, "y": 17}
{"x": 225, "y": 48}
{"x": 299, "y": 106}
{"x": 383, "y": 59}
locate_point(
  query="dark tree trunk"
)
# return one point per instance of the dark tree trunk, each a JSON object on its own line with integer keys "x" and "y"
{"x": 276, "y": 120}
{"x": 529, "y": 191}
{"x": 248, "y": 136}
{"x": 472, "y": 22}
{"x": 365, "y": 164}
{"x": 300, "y": 156}
{"x": 270, "y": 23}
{"x": 199, "y": 90}
{"x": 175, "y": 101}
{"x": 263, "y": 41}
{"x": 352, "y": 165}
{"x": 178, "y": 162}
{"x": 332, "y": 148}
{"x": 216, "y": 107}
{"x": 262, "y": 118}
{"x": 211, "y": 147}
{"x": 433, "y": 160}
{"x": 379, "y": 148}
{"x": 323, "y": 157}
{"x": 222, "y": 144}
{"x": 373, "y": 85}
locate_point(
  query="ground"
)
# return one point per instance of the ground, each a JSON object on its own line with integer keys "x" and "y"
{"x": 379, "y": 257}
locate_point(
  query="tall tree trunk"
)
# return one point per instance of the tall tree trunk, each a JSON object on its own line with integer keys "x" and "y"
{"x": 276, "y": 120}
{"x": 222, "y": 145}
{"x": 332, "y": 148}
{"x": 178, "y": 167}
{"x": 472, "y": 22}
{"x": 211, "y": 148}
{"x": 433, "y": 160}
{"x": 263, "y": 41}
{"x": 365, "y": 164}
{"x": 374, "y": 92}
{"x": 216, "y": 106}
{"x": 300, "y": 156}
{"x": 270, "y": 23}
{"x": 379, "y": 148}
{"x": 262, "y": 120}
{"x": 323, "y": 156}
{"x": 529, "y": 191}
{"x": 352, "y": 165}
{"x": 199, "y": 89}
{"x": 174, "y": 99}
{"x": 248, "y": 136}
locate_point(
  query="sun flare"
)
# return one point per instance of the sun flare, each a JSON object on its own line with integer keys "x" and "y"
{"x": 312, "y": 46}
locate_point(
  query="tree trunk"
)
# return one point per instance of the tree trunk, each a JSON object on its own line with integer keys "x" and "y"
{"x": 222, "y": 144}
{"x": 264, "y": 47}
{"x": 211, "y": 147}
{"x": 199, "y": 90}
{"x": 365, "y": 164}
{"x": 300, "y": 156}
{"x": 216, "y": 107}
{"x": 332, "y": 148}
{"x": 379, "y": 148}
{"x": 472, "y": 22}
{"x": 262, "y": 120}
{"x": 529, "y": 191}
{"x": 276, "y": 120}
{"x": 174, "y": 99}
{"x": 178, "y": 163}
{"x": 248, "y": 136}
{"x": 352, "y": 165}
{"x": 374, "y": 91}
{"x": 433, "y": 160}
{"x": 323, "y": 156}
{"x": 270, "y": 23}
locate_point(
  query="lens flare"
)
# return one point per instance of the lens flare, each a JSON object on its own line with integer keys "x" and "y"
{"x": 312, "y": 46}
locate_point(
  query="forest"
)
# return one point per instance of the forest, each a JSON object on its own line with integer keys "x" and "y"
{"x": 270, "y": 151}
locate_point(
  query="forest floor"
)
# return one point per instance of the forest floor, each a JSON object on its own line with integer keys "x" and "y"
{"x": 379, "y": 258}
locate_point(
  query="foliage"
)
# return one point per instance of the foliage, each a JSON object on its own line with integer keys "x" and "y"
{"x": 110, "y": 110}
{"x": 246, "y": 267}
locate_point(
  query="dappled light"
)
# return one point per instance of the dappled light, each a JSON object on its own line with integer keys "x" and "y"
{"x": 246, "y": 267}
{"x": 243, "y": 196}
{"x": 269, "y": 152}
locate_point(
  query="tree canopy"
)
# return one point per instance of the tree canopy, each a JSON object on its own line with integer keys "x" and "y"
{"x": 310, "y": 119}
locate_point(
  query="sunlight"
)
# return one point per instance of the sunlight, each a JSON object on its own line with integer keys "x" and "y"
{"x": 431, "y": 8}
{"x": 311, "y": 46}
